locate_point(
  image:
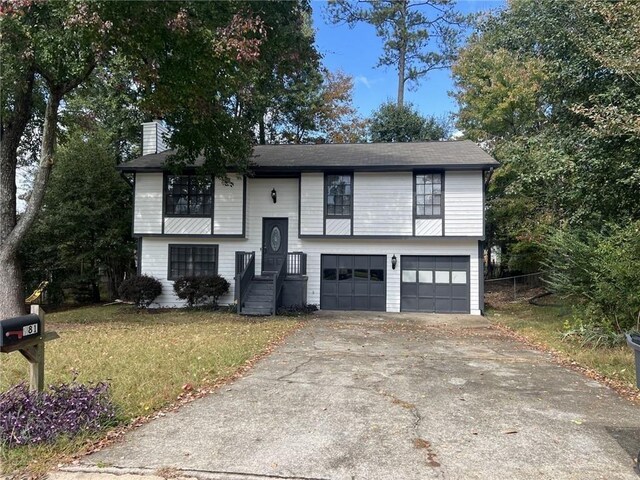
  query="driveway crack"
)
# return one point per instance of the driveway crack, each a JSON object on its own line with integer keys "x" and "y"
{"x": 295, "y": 370}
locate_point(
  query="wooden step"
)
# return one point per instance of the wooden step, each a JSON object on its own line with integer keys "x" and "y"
{"x": 256, "y": 311}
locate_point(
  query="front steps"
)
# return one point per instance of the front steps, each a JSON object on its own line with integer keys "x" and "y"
{"x": 259, "y": 299}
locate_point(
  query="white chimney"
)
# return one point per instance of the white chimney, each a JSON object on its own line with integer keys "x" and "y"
{"x": 153, "y": 134}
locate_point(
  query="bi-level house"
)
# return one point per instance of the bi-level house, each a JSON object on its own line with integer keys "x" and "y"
{"x": 383, "y": 226}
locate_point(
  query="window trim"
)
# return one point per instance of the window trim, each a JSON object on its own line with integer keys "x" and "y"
{"x": 165, "y": 194}
{"x": 325, "y": 195}
{"x": 415, "y": 195}
{"x": 216, "y": 248}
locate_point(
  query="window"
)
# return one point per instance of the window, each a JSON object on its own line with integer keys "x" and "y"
{"x": 188, "y": 195}
{"x": 428, "y": 196}
{"x": 338, "y": 195}
{"x": 192, "y": 261}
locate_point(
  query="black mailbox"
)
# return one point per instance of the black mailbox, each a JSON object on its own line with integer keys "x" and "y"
{"x": 18, "y": 329}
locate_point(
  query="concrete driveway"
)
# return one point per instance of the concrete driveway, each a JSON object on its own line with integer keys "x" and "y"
{"x": 392, "y": 396}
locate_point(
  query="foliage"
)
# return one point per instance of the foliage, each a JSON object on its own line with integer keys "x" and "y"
{"x": 418, "y": 36}
{"x": 70, "y": 409}
{"x": 141, "y": 290}
{"x": 600, "y": 269}
{"x": 391, "y": 123}
{"x": 297, "y": 310}
{"x": 199, "y": 290}
{"x": 551, "y": 89}
{"x": 209, "y": 69}
{"x": 84, "y": 228}
{"x": 318, "y": 109}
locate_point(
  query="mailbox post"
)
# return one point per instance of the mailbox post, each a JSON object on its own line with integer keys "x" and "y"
{"x": 27, "y": 335}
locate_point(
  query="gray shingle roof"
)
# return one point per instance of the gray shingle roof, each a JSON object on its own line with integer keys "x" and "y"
{"x": 354, "y": 156}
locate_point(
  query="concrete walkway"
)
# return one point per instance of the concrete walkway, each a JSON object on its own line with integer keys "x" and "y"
{"x": 390, "y": 396}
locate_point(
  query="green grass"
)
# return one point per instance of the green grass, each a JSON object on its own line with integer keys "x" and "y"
{"x": 545, "y": 325}
{"x": 146, "y": 357}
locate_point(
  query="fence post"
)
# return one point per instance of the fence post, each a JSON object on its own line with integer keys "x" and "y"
{"x": 515, "y": 296}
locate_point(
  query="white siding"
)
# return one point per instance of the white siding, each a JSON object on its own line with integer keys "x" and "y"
{"x": 311, "y": 203}
{"x": 147, "y": 216}
{"x": 155, "y": 250}
{"x": 227, "y": 207}
{"x": 155, "y": 260}
{"x": 383, "y": 203}
{"x": 428, "y": 227}
{"x": 187, "y": 225}
{"x": 463, "y": 203}
{"x": 153, "y": 137}
{"x": 260, "y": 205}
{"x": 338, "y": 226}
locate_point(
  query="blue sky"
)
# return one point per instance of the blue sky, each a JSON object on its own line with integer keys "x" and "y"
{"x": 355, "y": 51}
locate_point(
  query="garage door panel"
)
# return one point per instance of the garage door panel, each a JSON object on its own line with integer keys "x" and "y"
{"x": 435, "y": 283}
{"x": 361, "y": 288}
{"x": 345, "y": 261}
{"x": 378, "y": 304}
{"x": 357, "y": 282}
{"x": 377, "y": 289}
{"x": 344, "y": 303}
{"x": 330, "y": 288}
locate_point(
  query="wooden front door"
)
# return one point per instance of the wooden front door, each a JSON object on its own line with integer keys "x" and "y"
{"x": 274, "y": 243}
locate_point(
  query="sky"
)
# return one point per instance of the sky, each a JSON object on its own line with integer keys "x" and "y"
{"x": 355, "y": 51}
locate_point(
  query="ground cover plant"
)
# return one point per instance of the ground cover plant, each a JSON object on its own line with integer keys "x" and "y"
{"x": 148, "y": 357}
{"x": 550, "y": 326}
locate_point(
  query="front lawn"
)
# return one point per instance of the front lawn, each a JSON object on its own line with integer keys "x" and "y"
{"x": 148, "y": 358}
{"x": 545, "y": 325}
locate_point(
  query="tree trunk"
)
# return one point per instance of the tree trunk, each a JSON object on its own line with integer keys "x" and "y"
{"x": 402, "y": 52}
{"x": 12, "y": 128}
{"x": 11, "y": 289}
{"x": 262, "y": 136}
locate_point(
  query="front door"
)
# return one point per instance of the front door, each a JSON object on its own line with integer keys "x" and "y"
{"x": 274, "y": 243}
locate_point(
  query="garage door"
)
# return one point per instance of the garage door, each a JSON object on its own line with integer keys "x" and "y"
{"x": 353, "y": 282}
{"x": 434, "y": 284}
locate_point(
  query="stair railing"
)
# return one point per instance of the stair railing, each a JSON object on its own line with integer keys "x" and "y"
{"x": 296, "y": 263}
{"x": 245, "y": 272}
{"x": 278, "y": 281}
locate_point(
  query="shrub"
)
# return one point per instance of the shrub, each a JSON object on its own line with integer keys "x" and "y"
{"x": 66, "y": 409}
{"x": 199, "y": 290}
{"x": 141, "y": 290}
{"x": 602, "y": 270}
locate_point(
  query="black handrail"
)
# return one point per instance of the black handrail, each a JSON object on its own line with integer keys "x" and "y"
{"x": 245, "y": 272}
{"x": 296, "y": 263}
{"x": 278, "y": 281}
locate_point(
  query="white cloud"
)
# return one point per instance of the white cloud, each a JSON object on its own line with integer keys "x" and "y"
{"x": 363, "y": 80}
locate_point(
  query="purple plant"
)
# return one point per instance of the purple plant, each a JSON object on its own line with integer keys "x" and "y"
{"x": 66, "y": 409}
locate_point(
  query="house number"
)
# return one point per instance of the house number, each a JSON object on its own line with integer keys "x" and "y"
{"x": 30, "y": 329}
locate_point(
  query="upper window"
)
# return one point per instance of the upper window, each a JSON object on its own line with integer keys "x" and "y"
{"x": 338, "y": 195}
{"x": 192, "y": 261}
{"x": 428, "y": 197}
{"x": 188, "y": 195}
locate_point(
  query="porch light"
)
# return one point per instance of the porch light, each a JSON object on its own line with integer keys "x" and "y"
{"x": 274, "y": 195}
{"x": 394, "y": 262}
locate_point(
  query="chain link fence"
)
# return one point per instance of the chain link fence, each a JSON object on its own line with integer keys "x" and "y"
{"x": 515, "y": 287}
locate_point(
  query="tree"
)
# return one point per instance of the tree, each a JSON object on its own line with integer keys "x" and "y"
{"x": 419, "y": 36}
{"x": 318, "y": 109}
{"x": 392, "y": 123}
{"x": 84, "y": 228}
{"x": 192, "y": 63}
{"x": 551, "y": 89}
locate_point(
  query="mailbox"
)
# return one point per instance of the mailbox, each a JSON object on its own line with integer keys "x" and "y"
{"x": 18, "y": 329}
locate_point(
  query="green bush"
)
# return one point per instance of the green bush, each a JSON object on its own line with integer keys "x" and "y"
{"x": 602, "y": 269}
{"x": 201, "y": 290}
{"x": 141, "y": 290}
